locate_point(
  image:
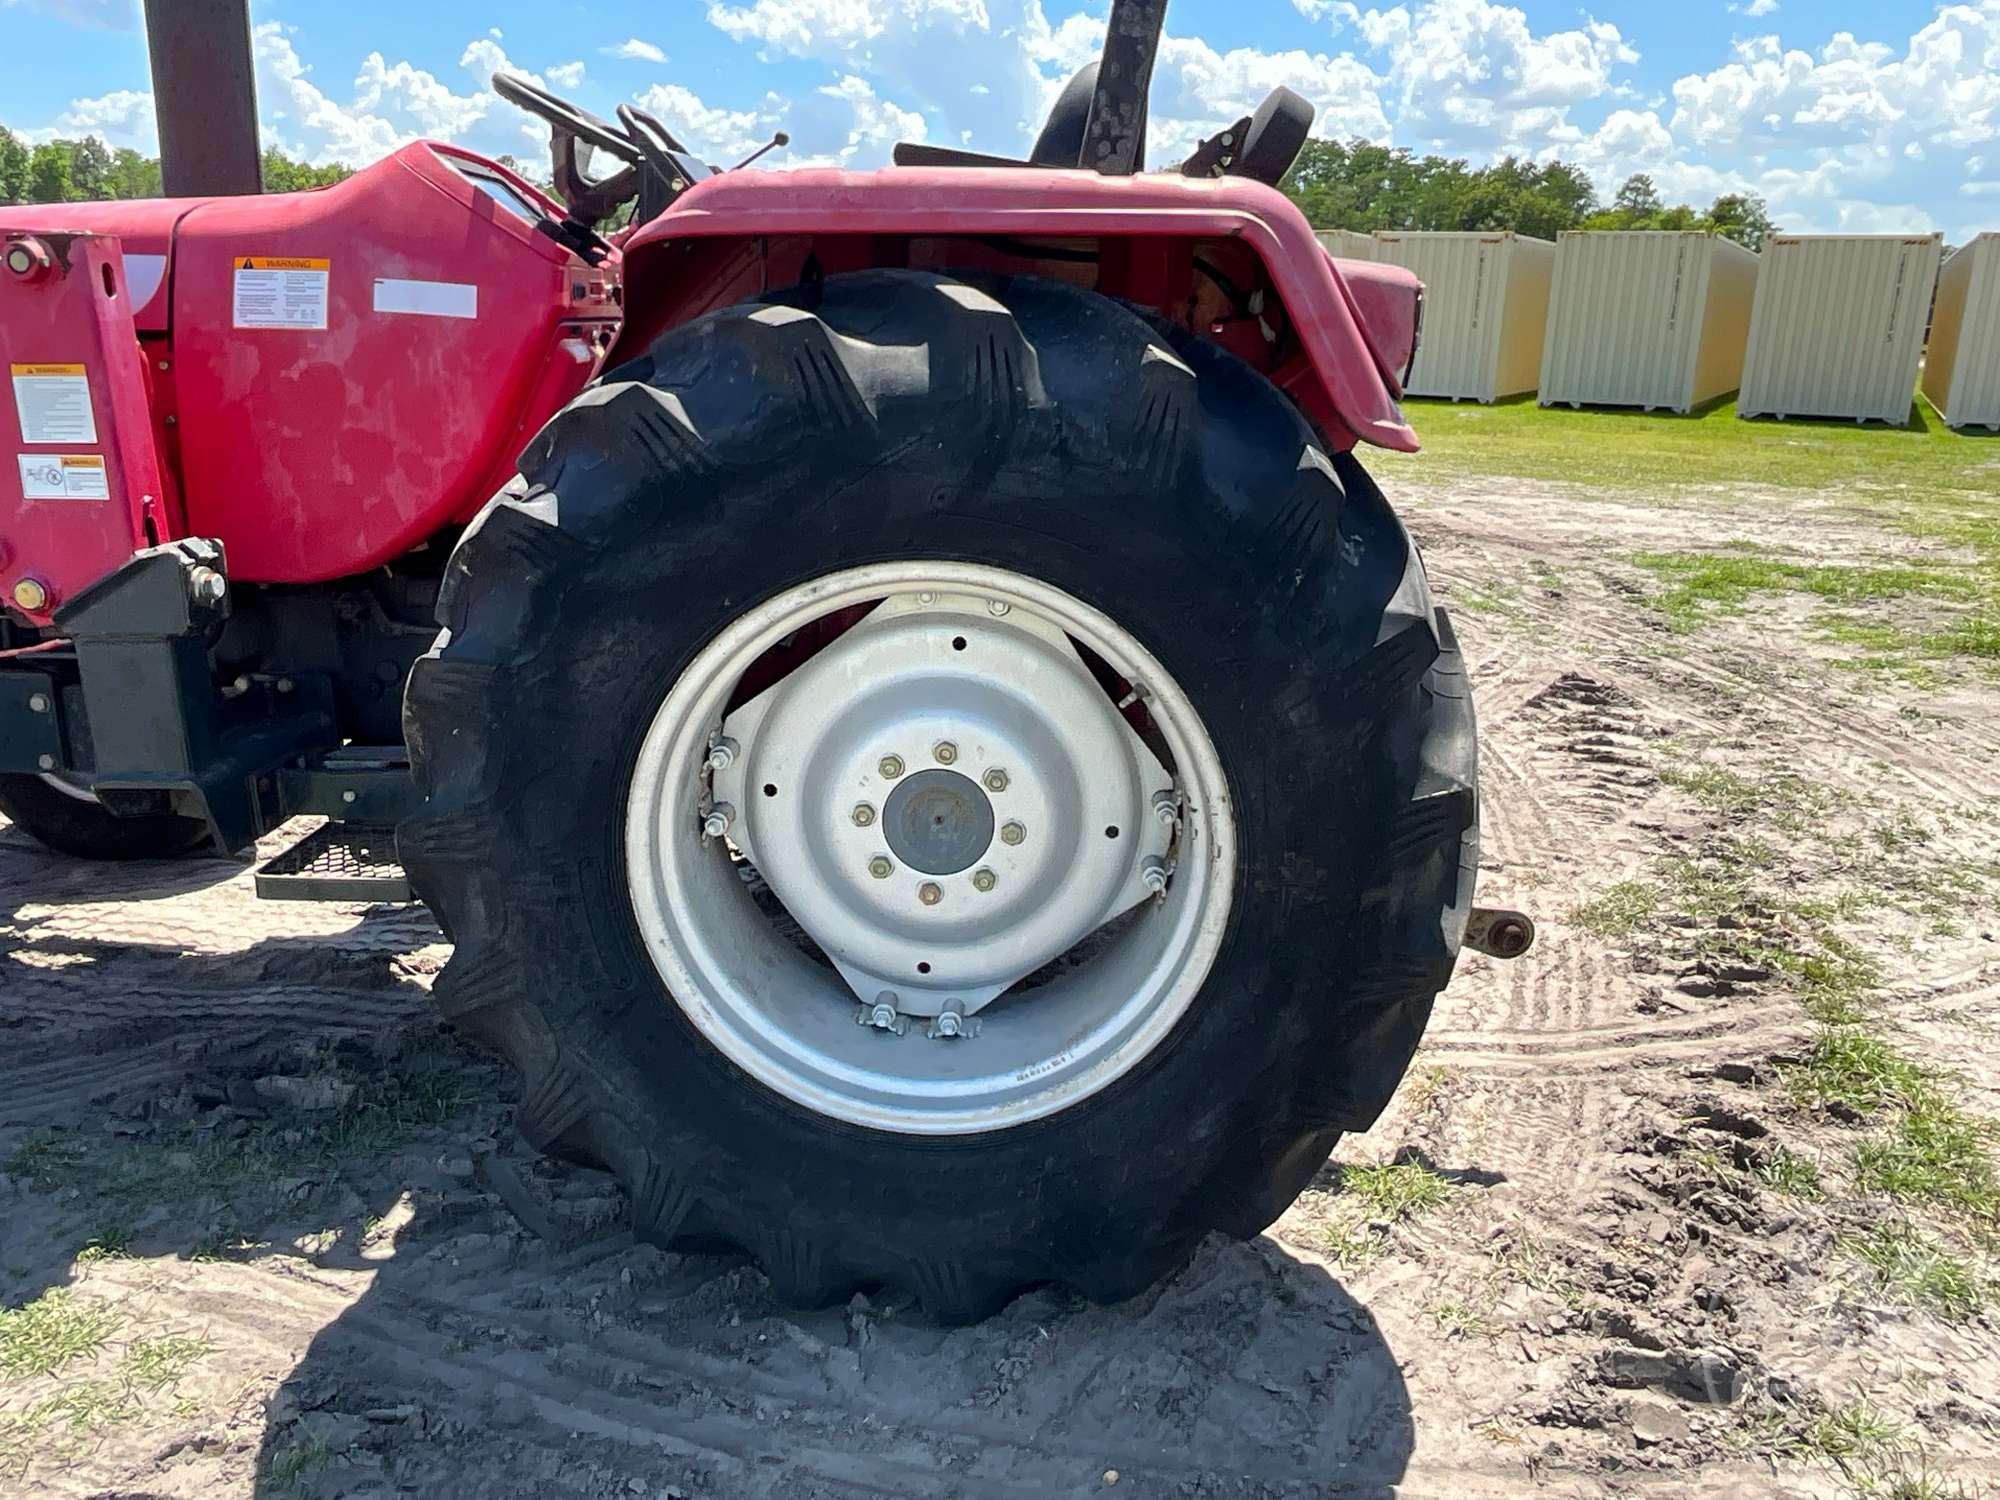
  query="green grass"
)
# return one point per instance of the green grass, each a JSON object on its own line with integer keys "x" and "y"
{"x": 296, "y": 1461}
{"x": 1852, "y": 1434}
{"x": 1913, "y": 1267}
{"x": 1696, "y": 585}
{"x": 48, "y": 1333}
{"x": 1618, "y": 910}
{"x": 162, "y": 1361}
{"x": 1787, "y": 1172}
{"x": 1648, "y": 451}
{"x": 384, "y": 1113}
{"x": 1394, "y": 1192}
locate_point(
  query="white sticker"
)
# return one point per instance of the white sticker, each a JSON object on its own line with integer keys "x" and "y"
{"x": 432, "y": 299}
{"x": 63, "y": 476}
{"x": 54, "y": 404}
{"x": 280, "y": 291}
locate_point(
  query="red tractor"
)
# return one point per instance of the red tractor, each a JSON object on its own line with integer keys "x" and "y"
{"x": 939, "y": 765}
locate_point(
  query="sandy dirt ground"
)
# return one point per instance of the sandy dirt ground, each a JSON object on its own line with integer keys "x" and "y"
{"x": 283, "y": 1223}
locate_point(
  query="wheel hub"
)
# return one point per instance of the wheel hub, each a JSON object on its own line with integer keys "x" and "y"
{"x": 921, "y": 901}
{"x": 945, "y": 800}
{"x": 938, "y": 822}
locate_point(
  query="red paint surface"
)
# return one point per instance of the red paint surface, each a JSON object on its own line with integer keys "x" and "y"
{"x": 317, "y": 454}
{"x": 1346, "y": 386}
{"x": 70, "y": 316}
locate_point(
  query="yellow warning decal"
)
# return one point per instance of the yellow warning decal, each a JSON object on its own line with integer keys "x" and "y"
{"x": 281, "y": 263}
{"x": 34, "y": 370}
{"x": 65, "y": 476}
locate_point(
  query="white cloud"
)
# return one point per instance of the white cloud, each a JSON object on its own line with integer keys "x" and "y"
{"x": 842, "y": 124}
{"x": 1469, "y": 75}
{"x": 1756, "y": 9}
{"x": 632, "y": 49}
{"x": 411, "y": 94}
{"x": 123, "y": 117}
{"x": 566, "y": 75}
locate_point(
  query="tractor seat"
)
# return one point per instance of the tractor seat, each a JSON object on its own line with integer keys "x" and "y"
{"x": 1265, "y": 146}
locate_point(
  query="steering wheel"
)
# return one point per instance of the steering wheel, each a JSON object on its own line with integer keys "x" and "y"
{"x": 566, "y": 118}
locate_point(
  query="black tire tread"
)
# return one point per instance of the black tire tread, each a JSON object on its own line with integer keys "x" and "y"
{"x": 500, "y": 606}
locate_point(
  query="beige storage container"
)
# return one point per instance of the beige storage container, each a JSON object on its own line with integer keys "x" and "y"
{"x": 1649, "y": 318}
{"x": 1486, "y": 305}
{"x": 1962, "y": 369}
{"x": 1839, "y": 326}
{"x": 1347, "y": 244}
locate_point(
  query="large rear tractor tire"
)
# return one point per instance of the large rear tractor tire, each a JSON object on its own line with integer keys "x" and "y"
{"x": 943, "y": 785}
{"x": 71, "y": 821}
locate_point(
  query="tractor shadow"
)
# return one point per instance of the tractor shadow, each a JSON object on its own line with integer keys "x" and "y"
{"x": 486, "y": 1359}
{"x": 261, "y": 1136}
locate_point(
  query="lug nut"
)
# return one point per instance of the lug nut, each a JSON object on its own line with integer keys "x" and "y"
{"x": 880, "y": 867}
{"x": 38, "y": 703}
{"x": 996, "y": 780}
{"x": 883, "y": 1016}
{"x": 891, "y": 766}
{"x": 1167, "y": 807}
{"x": 997, "y": 607}
{"x": 1154, "y": 873}
{"x": 863, "y": 815}
{"x": 930, "y": 893}
{"x": 46, "y": 762}
{"x": 722, "y": 754}
{"x": 984, "y": 880}
{"x": 31, "y": 594}
{"x": 1012, "y": 833}
{"x": 926, "y": 598}
{"x": 945, "y": 751}
{"x": 716, "y": 824}
{"x": 945, "y": 1025}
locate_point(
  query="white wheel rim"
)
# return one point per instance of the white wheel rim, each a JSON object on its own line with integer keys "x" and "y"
{"x": 921, "y": 1026}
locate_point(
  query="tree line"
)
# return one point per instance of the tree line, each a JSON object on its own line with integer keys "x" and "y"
{"x": 87, "y": 170}
{"x": 1359, "y": 185}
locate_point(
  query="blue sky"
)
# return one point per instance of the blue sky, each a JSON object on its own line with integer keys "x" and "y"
{"x": 1872, "y": 117}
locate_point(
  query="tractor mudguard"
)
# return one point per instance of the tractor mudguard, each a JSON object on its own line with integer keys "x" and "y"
{"x": 1348, "y": 383}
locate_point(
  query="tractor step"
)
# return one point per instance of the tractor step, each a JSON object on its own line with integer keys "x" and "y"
{"x": 337, "y": 862}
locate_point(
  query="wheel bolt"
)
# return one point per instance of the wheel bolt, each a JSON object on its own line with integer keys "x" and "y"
{"x": 716, "y": 824}
{"x": 38, "y": 703}
{"x": 946, "y": 752}
{"x": 984, "y": 880}
{"x": 1167, "y": 807}
{"x": 996, "y": 780}
{"x": 930, "y": 893}
{"x": 880, "y": 867}
{"x": 891, "y": 766}
{"x": 1154, "y": 874}
{"x": 863, "y": 815}
{"x": 946, "y": 1024}
{"x": 722, "y": 754}
{"x": 997, "y": 607}
{"x": 1012, "y": 833}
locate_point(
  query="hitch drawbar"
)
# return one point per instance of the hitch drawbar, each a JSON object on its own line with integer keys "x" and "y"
{"x": 1498, "y": 932}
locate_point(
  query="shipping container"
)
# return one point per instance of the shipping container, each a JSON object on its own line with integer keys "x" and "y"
{"x": 1347, "y": 244}
{"x": 1486, "y": 304}
{"x": 1839, "y": 326}
{"x": 1962, "y": 368}
{"x": 1648, "y": 318}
